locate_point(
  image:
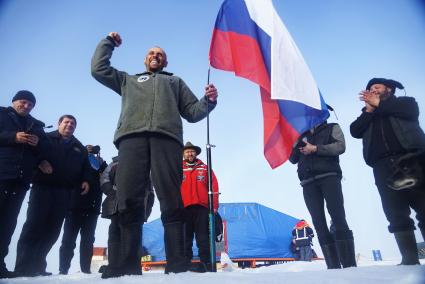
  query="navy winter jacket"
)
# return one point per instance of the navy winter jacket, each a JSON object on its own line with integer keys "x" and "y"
{"x": 17, "y": 160}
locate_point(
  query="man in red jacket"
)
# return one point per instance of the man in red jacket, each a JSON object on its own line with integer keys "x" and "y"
{"x": 194, "y": 191}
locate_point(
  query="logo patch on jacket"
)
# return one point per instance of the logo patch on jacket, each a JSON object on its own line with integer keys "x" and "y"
{"x": 143, "y": 78}
{"x": 200, "y": 178}
{"x": 76, "y": 149}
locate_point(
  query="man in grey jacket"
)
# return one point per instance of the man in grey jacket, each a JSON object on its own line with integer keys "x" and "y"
{"x": 317, "y": 155}
{"x": 149, "y": 138}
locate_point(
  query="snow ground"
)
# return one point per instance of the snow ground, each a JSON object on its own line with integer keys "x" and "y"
{"x": 315, "y": 272}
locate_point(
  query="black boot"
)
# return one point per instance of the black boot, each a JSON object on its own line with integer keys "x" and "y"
{"x": 124, "y": 241}
{"x": 331, "y": 256}
{"x": 346, "y": 253}
{"x": 4, "y": 273}
{"x": 344, "y": 241}
{"x": 406, "y": 242}
{"x": 113, "y": 268}
{"x": 130, "y": 242}
{"x": 174, "y": 248}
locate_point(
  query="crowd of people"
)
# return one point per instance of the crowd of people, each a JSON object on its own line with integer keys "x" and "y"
{"x": 67, "y": 178}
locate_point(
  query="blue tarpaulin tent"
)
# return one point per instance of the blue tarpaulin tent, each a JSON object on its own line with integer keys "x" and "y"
{"x": 253, "y": 231}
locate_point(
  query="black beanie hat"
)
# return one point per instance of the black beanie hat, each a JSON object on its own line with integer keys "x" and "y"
{"x": 387, "y": 82}
{"x": 24, "y": 95}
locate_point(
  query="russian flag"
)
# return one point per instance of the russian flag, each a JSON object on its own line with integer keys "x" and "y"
{"x": 250, "y": 39}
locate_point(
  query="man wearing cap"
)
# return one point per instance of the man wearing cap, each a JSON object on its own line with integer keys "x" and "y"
{"x": 390, "y": 129}
{"x": 21, "y": 140}
{"x": 149, "y": 138}
{"x": 317, "y": 155}
{"x": 194, "y": 192}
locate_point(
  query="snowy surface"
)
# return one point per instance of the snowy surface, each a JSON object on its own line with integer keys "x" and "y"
{"x": 293, "y": 272}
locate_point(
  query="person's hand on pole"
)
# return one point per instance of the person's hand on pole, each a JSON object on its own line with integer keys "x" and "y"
{"x": 211, "y": 93}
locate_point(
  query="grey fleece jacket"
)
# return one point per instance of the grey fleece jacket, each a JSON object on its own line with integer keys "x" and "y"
{"x": 150, "y": 102}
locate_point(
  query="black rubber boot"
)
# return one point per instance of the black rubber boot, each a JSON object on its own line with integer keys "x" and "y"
{"x": 4, "y": 273}
{"x": 346, "y": 253}
{"x": 330, "y": 254}
{"x": 406, "y": 242}
{"x": 130, "y": 242}
{"x": 174, "y": 248}
{"x": 113, "y": 268}
{"x": 344, "y": 241}
{"x": 124, "y": 241}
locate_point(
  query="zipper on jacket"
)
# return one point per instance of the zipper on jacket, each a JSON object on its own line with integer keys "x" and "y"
{"x": 154, "y": 97}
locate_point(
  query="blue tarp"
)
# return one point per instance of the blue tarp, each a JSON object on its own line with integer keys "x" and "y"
{"x": 253, "y": 231}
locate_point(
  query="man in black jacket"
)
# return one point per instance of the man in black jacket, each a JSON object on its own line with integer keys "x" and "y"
{"x": 64, "y": 168}
{"x": 82, "y": 217}
{"x": 317, "y": 155}
{"x": 390, "y": 130}
{"x": 21, "y": 140}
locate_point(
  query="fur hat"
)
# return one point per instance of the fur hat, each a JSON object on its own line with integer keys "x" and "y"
{"x": 387, "y": 82}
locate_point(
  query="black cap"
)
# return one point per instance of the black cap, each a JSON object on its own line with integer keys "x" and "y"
{"x": 387, "y": 82}
{"x": 24, "y": 95}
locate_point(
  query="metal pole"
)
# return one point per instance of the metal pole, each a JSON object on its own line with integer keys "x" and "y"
{"x": 211, "y": 216}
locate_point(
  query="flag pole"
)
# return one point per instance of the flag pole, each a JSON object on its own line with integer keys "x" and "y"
{"x": 211, "y": 215}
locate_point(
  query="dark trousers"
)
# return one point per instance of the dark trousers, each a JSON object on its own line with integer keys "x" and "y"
{"x": 315, "y": 194}
{"x": 197, "y": 225}
{"x": 397, "y": 204}
{"x": 12, "y": 194}
{"x": 46, "y": 211}
{"x": 83, "y": 222}
{"x": 142, "y": 156}
{"x": 306, "y": 253}
{"x": 150, "y": 154}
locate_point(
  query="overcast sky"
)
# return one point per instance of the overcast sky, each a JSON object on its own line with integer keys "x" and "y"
{"x": 46, "y": 47}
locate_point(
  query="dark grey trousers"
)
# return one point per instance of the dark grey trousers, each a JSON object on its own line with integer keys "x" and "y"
{"x": 155, "y": 155}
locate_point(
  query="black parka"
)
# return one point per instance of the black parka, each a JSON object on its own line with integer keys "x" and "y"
{"x": 402, "y": 114}
{"x": 69, "y": 162}
{"x": 17, "y": 160}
